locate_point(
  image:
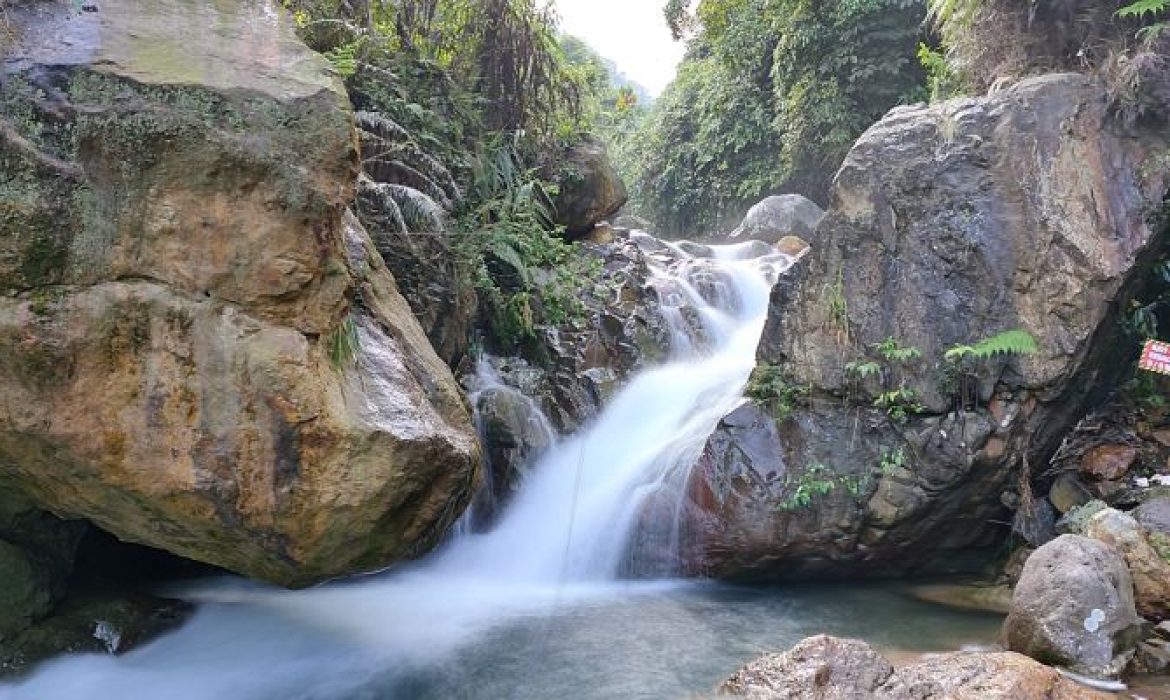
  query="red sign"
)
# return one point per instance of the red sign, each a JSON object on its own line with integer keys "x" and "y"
{"x": 1156, "y": 357}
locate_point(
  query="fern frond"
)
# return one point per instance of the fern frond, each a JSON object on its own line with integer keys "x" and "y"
{"x": 1142, "y": 8}
{"x": 419, "y": 212}
{"x": 1012, "y": 342}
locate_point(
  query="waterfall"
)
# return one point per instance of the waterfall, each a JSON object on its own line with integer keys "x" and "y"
{"x": 562, "y": 539}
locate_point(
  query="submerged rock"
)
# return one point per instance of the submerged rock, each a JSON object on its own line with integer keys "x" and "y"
{"x": 1074, "y": 607}
{"x": 949, "y": 224}
{"x": 981, "y": 598}
{"x": 200, "y": 350}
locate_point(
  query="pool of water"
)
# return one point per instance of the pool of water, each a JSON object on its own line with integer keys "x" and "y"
{"x": 368, "y": 642}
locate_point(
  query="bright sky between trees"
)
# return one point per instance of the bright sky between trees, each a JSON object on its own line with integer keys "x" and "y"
{"x": 631, "y": 33}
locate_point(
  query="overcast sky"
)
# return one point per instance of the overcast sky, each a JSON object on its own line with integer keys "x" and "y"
{"x": 631, "y": 33}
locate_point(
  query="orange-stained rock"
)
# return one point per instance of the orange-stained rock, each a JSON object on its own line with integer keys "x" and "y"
{"x": 1108, "y": 462}
{"x": 200, "y": 349}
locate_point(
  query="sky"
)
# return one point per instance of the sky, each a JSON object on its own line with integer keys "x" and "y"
{"x": 631, "y": 33}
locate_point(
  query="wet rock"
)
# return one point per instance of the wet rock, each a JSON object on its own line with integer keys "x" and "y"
{"x": 1153, "y": 656}
{"x": 428, "y": 275}
{"x": 96, "y": 620}
{"x": 514, "y": 434}
{"x": 991, "y": 676}
{"x": 778, "y": 217}
{"x": 200, "y": 349}
{"x": 1076, "y": 520}
{"x": 980, "y": 598}
{"x": 37, "y": 552}
{"x": 633, "y": 223}
{"x": 792, "y": 245}
{"x": 600, "y": 234}
{"x": 1074, "y": 607}
{"x": 822, "y": 666}
{"x": 828, "y": 668}
{"x": 940, "y": 233}
{"x": 575, "y": 366}
{"x": 1108, "y": 462}
{"x": 592, "y": 193}
{"x": 1150, "y": 572}
{"x": 1154, "y": 515}
{"x": 1068, "y": 492}
{"x": 826, "y": 493}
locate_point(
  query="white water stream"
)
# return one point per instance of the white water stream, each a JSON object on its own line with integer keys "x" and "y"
{"x": 559, "y": 544}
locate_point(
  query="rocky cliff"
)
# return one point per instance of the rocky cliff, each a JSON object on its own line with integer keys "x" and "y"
{"x": 1035, "y": 209}
{"x": 200, "y": 349}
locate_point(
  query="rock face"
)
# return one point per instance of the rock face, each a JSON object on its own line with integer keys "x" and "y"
{"x": 590, "y": 189}
{"x": 514, "y": 433}
{"x": 778, "y": 217}
{"x": 1074, "y": 607}
{"x": 1150, "y": 572}
{"x": 572, "y": 368}
{"x": 822, "y": 666}
{"x": 36, "y": 558}
{"x": 949, "y": 224}
{"x": 200, "y": 350}
{"x": 828, "y": 668}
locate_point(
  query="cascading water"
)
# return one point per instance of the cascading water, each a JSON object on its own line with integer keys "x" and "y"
{"x": 560, "y": 544}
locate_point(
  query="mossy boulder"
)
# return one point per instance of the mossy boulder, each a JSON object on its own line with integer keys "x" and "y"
{"x": 200, "y": 349}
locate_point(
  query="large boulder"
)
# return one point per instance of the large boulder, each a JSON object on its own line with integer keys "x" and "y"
{"x": 828, "y": 668}
{"x": 1074, "y": 607}
{"x": 200, "y": 349}
{"x": 1034, "y": 209}
{"x": 590, "y": 189}
{"x": 779, "y": 216}
{"x": 1150, "y": 572}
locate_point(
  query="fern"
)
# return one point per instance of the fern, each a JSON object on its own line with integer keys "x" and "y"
{"x": 1013, "y": 342}
{"x": 1144, "y": 8}
{"x": 863, "y": 370}
{"x": 419, "y": 212}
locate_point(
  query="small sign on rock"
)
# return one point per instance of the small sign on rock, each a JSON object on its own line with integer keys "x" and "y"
{"x": 1156, "y": 357}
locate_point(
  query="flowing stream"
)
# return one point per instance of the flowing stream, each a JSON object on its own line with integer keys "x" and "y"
{"x": 534, "y": 608}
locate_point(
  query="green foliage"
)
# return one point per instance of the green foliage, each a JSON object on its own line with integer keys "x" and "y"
{"x": 1144, "y": 8}
{"x": 344, "y": 344}
{"x": 771, "y": 389}
{"x": 986, "y": 40}
{"x": 893, "y": 460}
{"x": 963, "y": 360}
{"x": 897, "y": 400}
{"x": 509, "y": 236}
{"x": 899, "y": 403}
{"x": 863, "y": 370}
{"x": 816, "y": 481}
{"x": 504, "y": 52}
{"x": 770, "y": 96}
{"x": 941, "y": 80}
{"x": 892, "y": 351}
{"x": 838, "y": 306}
{"x": 1011, "y": 342}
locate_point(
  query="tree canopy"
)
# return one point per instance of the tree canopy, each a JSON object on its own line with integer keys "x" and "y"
{"x": 770, "y": 96}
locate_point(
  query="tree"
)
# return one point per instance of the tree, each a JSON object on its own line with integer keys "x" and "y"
{"x": 770, "y": 96}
